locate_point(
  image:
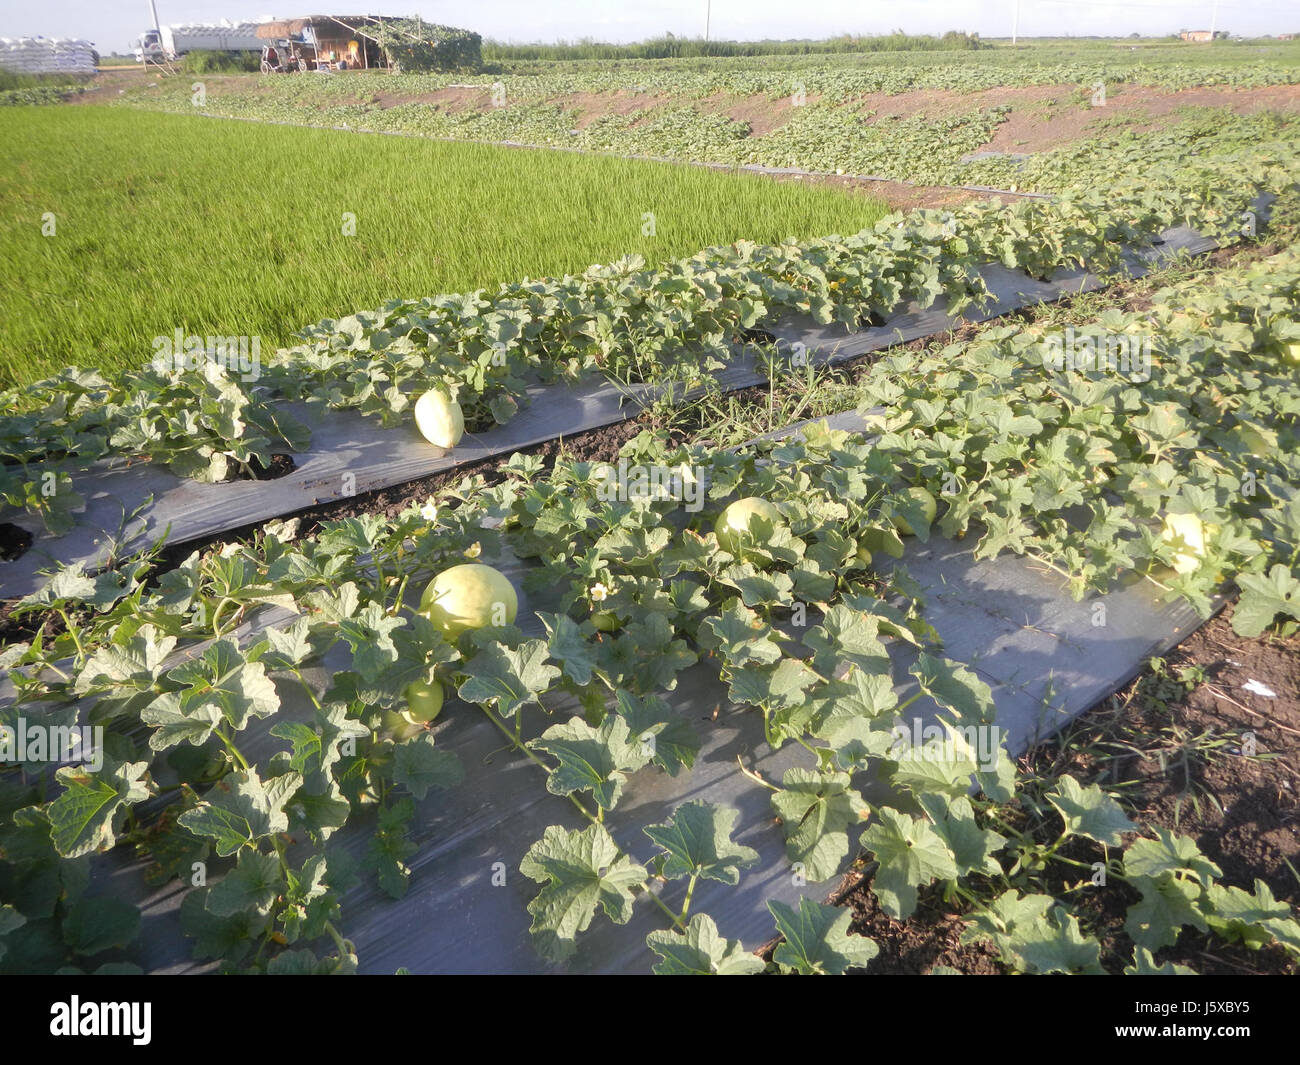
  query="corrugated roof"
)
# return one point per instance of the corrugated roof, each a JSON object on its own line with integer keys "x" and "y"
{"x": 294, "y": 26}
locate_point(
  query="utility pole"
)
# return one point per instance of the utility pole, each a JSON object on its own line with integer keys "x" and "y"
{"x": 708, "y": 15}
{"x": 153, "y": 8}
{"x": 1214, "y": 21}
{"x": 1015, "y": 25}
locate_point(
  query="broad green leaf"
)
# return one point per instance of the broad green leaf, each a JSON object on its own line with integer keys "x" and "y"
{"x": 320, "y": 813}
{"x": 758, "y": 589}
{"x": 1168, "y": 853}
{"x": 305, "y": 963}
{"x": 911, "y": 854}
{"x": 942, "y": 763}
{"x": 1032, "y": 934}
{"x": 370, "y": 635}
{"x": 859, "y": 699}
{"x": 1165, "y": 426}
{"x": 1089, "y": 812}
{"x": 291, "y": 645}
{"x": 847, "y": 635}
{"x": 1055, "y": 946}
{"x": 739, "y": 637}
{"x": 1240, "y": 917}
{"x": 580, "y": 871}
{"x": 816, "y": 811}
{"x": 818, "y": 941}
{"x": 952, "y": 685}
{"x": 333, "y": 604}
{"x": 569, "y": 647}
{"x": 419, "y": 766}
{"x": 240, "y": 810}
{"x": 672, "y": 740}
{"x": 697, "y": 838}
{"x": 391, "y": 846}
{"x": 772, "y": 687}
{"x": 293, "y": 963}
{"x": 229, "y": 938}
{"x": 701, "y": 951}
{"x": 69, "y": 585}
{"x": 173, "y": 724}
{"x": 653, "y": 652}
{"x": 592, "y": 759}
{"x": 1145, "y": 965}
{"x": 92, "y": 925}
{"x": 86, "y": 815}
{"x": 972, "y": 847}
{"x": 10, "y": 919}
{"x": 252, "y": 884}
{"x": 223, "y": 678}
{"x": 136, "y": 664}
{"x": 1263, "y": 598}
{"x": 1004, "y": 913}
{"x": 506, "y": 677}
{"x": 316, "y": 746}
{"x": 1167, "y": 904}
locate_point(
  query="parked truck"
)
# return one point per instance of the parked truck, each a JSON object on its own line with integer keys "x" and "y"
{"x": 172, "y": 42}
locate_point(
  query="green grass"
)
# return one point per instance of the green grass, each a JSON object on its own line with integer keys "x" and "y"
{"x": 231, "y": 228}
{"x": 670, "y": 47}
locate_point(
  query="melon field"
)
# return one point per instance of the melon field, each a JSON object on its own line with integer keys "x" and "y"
{"x": 795, "y": 513}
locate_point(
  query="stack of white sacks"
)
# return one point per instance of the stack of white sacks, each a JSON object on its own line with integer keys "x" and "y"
{"x": 41, "y": 55}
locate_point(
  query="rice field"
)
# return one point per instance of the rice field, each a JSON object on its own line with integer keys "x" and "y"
{"x": 131, "y": 225}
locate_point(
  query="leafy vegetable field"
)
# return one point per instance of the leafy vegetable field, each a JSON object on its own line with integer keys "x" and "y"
{"x": 628, "y": 321}
{"x": 279, "y": 709}
{"x": 646, "y": 589}
{"x": 824, "y": 115}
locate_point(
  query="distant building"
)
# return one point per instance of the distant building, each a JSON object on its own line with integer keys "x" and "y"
{"x": 328, "y": 39}
{"x": 1197, "y": 35}
{"x": 350, "y": 42}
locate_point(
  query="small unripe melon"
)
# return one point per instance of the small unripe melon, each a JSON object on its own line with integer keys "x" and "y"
{"x": 928, "y": 506}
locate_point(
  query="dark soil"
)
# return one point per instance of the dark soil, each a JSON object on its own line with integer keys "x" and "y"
{"x": 1172, "y": 745}
{"x": 258, "y": 471}
{"x": 591, "y": 106}
{"x": 1181, "y": 759}
{"x": 25, "y": 629}
{"x": 930, "y": 937}
{"x": 280, "y": 465}
{"x": 14, "y": 540}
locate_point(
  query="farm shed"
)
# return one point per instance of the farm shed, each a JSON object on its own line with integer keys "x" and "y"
{"x": 368, "y": 41}
{"x": 334, "y": 38}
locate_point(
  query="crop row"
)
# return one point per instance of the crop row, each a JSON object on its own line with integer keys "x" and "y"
{"x": 832, "y": 79}
{"x": 641, "y": 587}
{"x": 37, "y": 95}
{"x": 819, "y": 134}
{"x": 1040, "y": 63}
{"x": 629, "y": 321}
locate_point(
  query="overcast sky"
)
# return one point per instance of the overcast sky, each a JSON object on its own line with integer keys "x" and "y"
{"x": 112, "y": 24}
